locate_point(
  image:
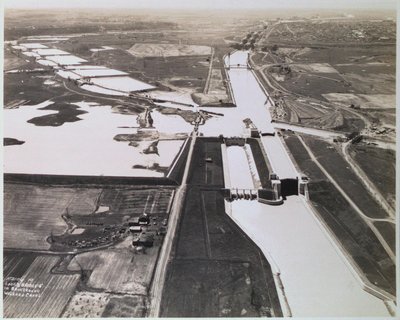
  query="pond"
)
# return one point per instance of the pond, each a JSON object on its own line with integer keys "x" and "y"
{"x": 85, "y": 147}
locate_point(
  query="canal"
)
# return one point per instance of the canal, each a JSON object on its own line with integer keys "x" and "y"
{"x": 316, "y": 277}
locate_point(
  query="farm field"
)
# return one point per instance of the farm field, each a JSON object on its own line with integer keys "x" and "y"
{"x": 379, "y": 165}
{"x": 376, "y": 101}
{"x": 30, "y": 91}
{"x": 135, "y": 202}
{"x": 15, "y": 263}
{"x": 339, "y": 169}
{"x": 89, "y": 277}
{"x": 49, "y": 296}
{"x": 46, "y": 206}
{"x": 152, "y": 69}
{"x": 388, "y": 229}
{"x": 32, "y": 213}
{"x": 94, "y": 305}
{"x": 126, "y": 306}
{"x": 167, "y": 50}
{"x": 349, "y": 228}
{"x": 365, "y": 249}
{"x": 12, "y": 62}
{"x": 134, "y": 271}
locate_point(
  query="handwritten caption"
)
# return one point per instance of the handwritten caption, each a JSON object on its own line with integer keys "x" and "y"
{"x": 20, "y": 287}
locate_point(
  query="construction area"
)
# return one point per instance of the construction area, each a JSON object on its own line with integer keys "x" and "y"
{"x": 245, "y": 165}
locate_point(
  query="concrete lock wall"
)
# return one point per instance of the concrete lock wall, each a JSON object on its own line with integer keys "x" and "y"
{"x": 276, "y": 186}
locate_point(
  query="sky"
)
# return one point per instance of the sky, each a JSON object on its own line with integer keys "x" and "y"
{"x": 204, "y": 4}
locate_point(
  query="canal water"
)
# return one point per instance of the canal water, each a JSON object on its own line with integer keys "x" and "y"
{"x": 317, "y": 279}
{"x": 241, "y": 173}
{"x": 250, "y": 100}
